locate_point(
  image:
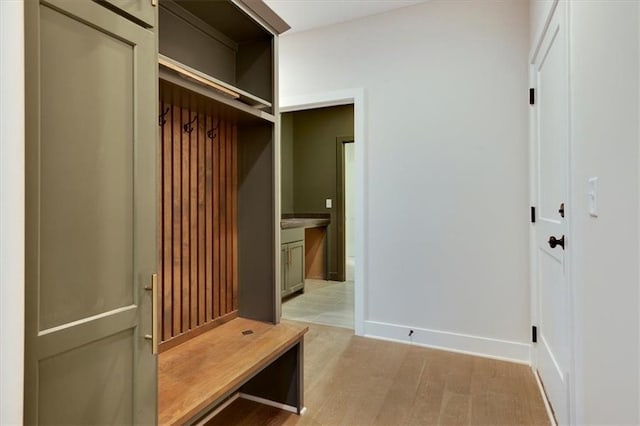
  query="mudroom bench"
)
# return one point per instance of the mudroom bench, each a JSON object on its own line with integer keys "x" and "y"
{"x": 252, "y": 359}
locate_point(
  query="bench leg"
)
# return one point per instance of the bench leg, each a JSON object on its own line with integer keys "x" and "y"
{"x": 282, "y": 381}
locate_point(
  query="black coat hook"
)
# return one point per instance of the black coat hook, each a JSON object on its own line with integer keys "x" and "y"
{"x": 189, "y": 126}
{"x": 161, "y": 119}
{"x": 214, "y": 131}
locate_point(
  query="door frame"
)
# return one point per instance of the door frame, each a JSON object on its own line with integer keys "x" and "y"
{"x": 12, "y": 193}
{"x": 533, "y": 189}
{"x": 356, "y": 97}
{"x": 341, "y": 202}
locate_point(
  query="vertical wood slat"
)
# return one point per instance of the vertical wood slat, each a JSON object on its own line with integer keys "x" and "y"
{"x": 229, "y": 228}
{"x": 176, "y": 119}
{"x": 193, "y": 222}
{"x": 234, "y": 216}
{"x": 210, "y": 189}
{"x": 184, "y": 180}
{"x": 198, "y": 254}
{"x": 167, "y": 243}
{"x": 216, "y": 217}
{"x": 201, "y": 226}
{"x": 223, "y": 215}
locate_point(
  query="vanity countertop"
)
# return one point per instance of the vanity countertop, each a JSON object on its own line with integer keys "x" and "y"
{"x": 304, "y": 221}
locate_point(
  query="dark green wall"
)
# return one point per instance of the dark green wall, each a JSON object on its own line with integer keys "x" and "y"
{"x": 314, "y": 177}
{"x": 287, "y": 162}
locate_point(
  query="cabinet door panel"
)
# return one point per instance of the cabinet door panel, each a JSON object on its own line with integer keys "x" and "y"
{"x": 295, "y": 272}
{"x": 284, "y": 264}
{"x": 91, "y": 103}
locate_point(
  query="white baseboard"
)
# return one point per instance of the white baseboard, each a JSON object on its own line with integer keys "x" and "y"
{"x": 473, "y": 345}
{"x": 270, "y": 403}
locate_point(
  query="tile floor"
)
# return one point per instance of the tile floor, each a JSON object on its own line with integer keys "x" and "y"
{"x": 323, "y": 302}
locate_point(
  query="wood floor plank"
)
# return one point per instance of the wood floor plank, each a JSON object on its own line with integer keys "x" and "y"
{"x": 358, "y": 381}
{"x": 455, "y": 409}
{"x": 427, "y": 402}
{"x": 403, "y": 389}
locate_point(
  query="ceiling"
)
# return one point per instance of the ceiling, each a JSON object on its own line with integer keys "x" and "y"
{"x": 307, "y": 14}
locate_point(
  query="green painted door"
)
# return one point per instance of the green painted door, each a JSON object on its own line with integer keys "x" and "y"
{"x": 91, "y": 103}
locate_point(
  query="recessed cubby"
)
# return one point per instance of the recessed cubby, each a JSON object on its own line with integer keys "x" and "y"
{"x": 217, "y": 41}
{"x": 217, "y": 143}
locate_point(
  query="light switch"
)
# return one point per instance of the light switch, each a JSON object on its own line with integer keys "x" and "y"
{"x": 592, "y": 196}
{"x": 328, "y": 203}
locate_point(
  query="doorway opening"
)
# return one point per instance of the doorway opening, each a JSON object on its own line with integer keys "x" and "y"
{"x": 318, "y": 236}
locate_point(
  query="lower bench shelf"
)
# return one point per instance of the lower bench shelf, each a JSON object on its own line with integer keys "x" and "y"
{"x": 256, "y": 358}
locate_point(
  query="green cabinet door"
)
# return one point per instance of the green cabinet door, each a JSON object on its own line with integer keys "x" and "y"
{"x": 141, "y": 10}
{"x": 91, "y": 111}
{"x": 284, "y": 263}
{"x": 292, "y": 267}
{"x": 295, "y": 269}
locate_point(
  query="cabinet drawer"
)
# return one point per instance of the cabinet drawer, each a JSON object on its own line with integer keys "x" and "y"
{"x": 292, "y": 234}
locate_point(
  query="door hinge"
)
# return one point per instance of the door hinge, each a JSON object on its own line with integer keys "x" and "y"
{"x": 534, "y": 334}
{"x": 154, "y": 3}
{"x": 532, "y": 96}
{"x": 533, "y": 214}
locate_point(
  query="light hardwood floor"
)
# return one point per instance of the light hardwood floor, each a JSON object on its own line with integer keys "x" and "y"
{"x": 352, "y": 380}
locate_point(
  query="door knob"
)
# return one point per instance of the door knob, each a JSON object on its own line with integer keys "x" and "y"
{"x": 553, "y": 242}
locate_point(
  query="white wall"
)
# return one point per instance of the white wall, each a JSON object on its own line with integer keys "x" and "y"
{"x": 605, "y": 90}
{"x": 11, "y": 210}
{"x": 446, "y": 169}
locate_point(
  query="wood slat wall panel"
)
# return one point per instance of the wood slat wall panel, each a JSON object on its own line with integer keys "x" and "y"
{"x": 210, "y": 252}
{"x": 184, "y": 207}
{"x": 193, "y": 225}
{"x": 216, "y": 221}
{"x": 201, "y": 227}
{"x": 229, "y": 200}
{"x": 198, "y": 226}
{"x": 223, "y": 214}
{"x": 234, "y": 216}
{"x": 167, "y": 222}
{"x": 176, "y": 118}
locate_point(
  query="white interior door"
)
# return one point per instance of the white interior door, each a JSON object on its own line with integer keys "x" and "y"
{"x": 551, "y": 175}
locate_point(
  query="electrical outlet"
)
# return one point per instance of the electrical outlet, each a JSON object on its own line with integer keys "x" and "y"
{"x": 328, "y": 203}
{"x": 592, "y": 196}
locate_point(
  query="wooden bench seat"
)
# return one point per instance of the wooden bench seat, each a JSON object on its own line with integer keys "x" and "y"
{"x": 202, "y": 372}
